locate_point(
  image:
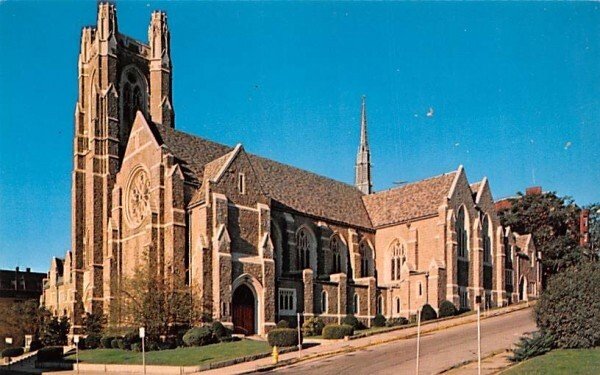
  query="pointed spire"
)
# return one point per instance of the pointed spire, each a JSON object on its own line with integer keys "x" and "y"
{"x": 364, "y": 142}
{"x": 363, "y": 158}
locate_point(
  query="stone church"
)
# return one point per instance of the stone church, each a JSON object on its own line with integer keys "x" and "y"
{"x": 259, "y": 241}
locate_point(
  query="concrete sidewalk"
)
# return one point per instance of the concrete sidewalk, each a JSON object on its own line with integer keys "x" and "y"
{"x": 332, "y": 348}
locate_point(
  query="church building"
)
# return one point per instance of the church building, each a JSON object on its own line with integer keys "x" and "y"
{"x": 258, "y": 240}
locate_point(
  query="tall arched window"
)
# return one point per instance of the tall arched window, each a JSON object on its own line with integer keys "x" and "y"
{"x": 336, "y": 261}
{"x": 487, "y": 242}
{"x": 303, "y": 244}
{"x": 356, "y": 304}
{"x": 398, "y": 258}
{"x": 365, "y": 255}
{"x": 398, "y": 305}
{"x": 133, "y": 97}
{"x": 324, "y": 304}
{"x": 380, "y": 305}
{"x": 461, "y": 234}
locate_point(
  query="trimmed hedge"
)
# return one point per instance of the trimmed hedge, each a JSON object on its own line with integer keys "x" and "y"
{"x": 36, "y": 344}
{"x": 219, "y": 330}
{"x": 198, "y": 336}
{"x": 282, "y": 337}
{"x": 106, "y": 341}
{"x": 114, "y": 344}
{"x": 283, "y": 324}
{"x": 92, "y": 341}
{"x": 337, "y": 331}
{"x": 351, "y": 320}
{"x": 379, "y": 320}
{"x": 50, "y": 354}
{"x": 12, "y": 352}
{"x": 428, "y": 313}
{"x": 394, "y": 322}
{"x": 447, "y": 309}
{"x": 312, "y": 327}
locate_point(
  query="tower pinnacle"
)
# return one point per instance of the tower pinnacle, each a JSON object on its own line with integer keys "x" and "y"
{"x": 363, "y": 158}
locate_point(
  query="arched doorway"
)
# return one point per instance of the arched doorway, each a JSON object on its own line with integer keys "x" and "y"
{"x": 244, "y": 311}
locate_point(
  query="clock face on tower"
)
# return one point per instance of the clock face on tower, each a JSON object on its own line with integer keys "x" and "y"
{"x": 138, "y": 197}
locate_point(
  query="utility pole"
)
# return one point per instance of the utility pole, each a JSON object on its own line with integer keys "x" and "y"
{"x": 418, "y": 338}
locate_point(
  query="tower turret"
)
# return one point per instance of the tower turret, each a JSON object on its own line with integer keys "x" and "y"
{"x": 161, "y": 108}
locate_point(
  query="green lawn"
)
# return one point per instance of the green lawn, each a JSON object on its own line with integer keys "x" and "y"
{"x": 572, "y": 362}
{"x": 176, "y": 357}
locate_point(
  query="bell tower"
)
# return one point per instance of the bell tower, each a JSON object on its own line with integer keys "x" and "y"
{"x": 118, "y": 76}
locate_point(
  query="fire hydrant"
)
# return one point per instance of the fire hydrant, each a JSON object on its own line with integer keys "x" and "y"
{"x": 275, "y": 355}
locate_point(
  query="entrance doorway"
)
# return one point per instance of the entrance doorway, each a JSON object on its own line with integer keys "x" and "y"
{"x": 523, "y": 289}
{"x": 244, "y": 311}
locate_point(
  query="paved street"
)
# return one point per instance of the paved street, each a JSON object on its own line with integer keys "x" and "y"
{"x": 439, "y": 350}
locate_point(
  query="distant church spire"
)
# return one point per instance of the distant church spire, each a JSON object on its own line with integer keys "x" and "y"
{"x": 363, "y": 157}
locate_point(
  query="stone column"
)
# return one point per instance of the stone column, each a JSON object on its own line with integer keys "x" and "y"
{"x": 307, "y": 279}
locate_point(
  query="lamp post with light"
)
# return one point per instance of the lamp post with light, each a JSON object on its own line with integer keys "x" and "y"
{"x": 143, "y": 337}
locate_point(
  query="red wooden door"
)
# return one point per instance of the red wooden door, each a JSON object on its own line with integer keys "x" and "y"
{"x": 243, "y": 311}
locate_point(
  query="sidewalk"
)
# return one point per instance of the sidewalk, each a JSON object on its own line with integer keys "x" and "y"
{"x": 493, "y": 364}
{"x": 341, "y": 346}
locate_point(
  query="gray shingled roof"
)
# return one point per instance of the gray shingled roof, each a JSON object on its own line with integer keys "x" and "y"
{"x": 410, "y": 201}
{"x": 300, "y": 190}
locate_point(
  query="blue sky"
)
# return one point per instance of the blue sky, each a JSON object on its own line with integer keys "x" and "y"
{"x": 515, "y": 89}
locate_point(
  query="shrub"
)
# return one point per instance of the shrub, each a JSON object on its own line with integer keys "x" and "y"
{"x": 428, "y": 313}
{"x": 351, "y": 320}
{"x": 337, "y": 331}
{"x": 379, "y": 321}
{"x": 114, "y": 344}
{"x": 82, "y": 343}
{"x": 54, "y": 331}
{"x": 447, "y": 308}
{"x": 219, "y": 330}
{"x": 36, "y": 344}
{"x": 393, "y": 322}
{"x": 50, "y": 354}
{"x": 282, "y": 337}
{"x": 312, "y": 327}
{"x": 106, "y": 341}
{"x": 131, "y": 337}
{"x": 136, "y": 347}
{"x": 283, "y": 324}
{"x": 198, "y": 336}
{"x": 123, "y": 344}
{"x": 12, "y": 352}
{"x": 569, "y": 308}
{"x": 92, "y": 341}
{"x": 532, "y": 346}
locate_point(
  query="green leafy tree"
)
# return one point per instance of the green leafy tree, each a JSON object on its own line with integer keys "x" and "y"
{"x": 594, "y": 228}
{"x": 147, "y": 299}
{"x": 23, "y": 318}
{"x": 54, "y": 331}
{"x": 554, "y": 223}
{"x": 94, "y": 323}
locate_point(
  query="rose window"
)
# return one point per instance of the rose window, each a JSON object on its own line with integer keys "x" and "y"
{"x": 138, "y": 198}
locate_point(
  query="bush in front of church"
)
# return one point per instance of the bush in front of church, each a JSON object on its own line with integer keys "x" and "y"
{"x": 312, "y": 326}
{"x": 428, "y": 313}
{"x": 198, "y": 336}
{"x": 12, "y": 352}
{"x": 395, "y": 322}
{"x": 283, "y": 324}
{"x": 351, "y": 320}
{"x": 379, "y": 321}
{"x": 283, "y": 337}
{"x": 569, "y": 308}
{"x": 337, "y": 331}
{"x": 447, "y": 309}
{"x": 92, "y": 341}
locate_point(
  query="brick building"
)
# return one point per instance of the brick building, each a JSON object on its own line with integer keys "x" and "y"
{"x": 17, "y": 286}
{"x": 258, "y": 240}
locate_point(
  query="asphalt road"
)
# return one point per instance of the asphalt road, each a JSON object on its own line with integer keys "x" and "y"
{"x": 439, "y": 350}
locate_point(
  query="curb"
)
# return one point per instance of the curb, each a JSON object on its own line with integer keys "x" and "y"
{"x": 309, "y": 357}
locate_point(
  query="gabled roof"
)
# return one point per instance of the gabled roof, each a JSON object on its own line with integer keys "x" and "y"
{"x": 297, "y": 189}
{"x": 522, "y": 241}
{"x": 410, "y": 201}
{"x": 475, "y": 188}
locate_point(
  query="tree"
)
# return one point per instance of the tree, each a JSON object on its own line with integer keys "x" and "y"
{"x": 594, "y": 228}
{"x": 94, "y": 323}
{"x": 158, "y": 303}
{"x": 23, "y": 318}
{"x": 54, "y": 331}
{"x": 554, "y": 223}
{"x": 569, "y": 308}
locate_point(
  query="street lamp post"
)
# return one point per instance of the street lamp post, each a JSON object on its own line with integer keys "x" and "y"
{"x": 76, "y": 341}
{"x": 8, "y": 341}
{"x": 418, "y": 338}
{"x": 143, "y": 337}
